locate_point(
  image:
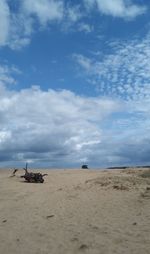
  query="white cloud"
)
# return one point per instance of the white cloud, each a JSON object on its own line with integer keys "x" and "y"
{"x": 18, "y": 43}
{"x": 4, "y": 136}
{"x": 45, "y": 10}
{"x": 62, "y": 129}
{"x": 50, "y": 125}
{"x": 84, "y": 27}
{"x": 123, "y": 73}
{"x": 21, "y": 30}
{"x": 6, "y": 74}
{"x": 116, "y": 8}
{"x": 4, "y": 22}
{"x": 85, "y": 62}
{"x": 73, "y": 13}
{"x": 17, "y": 27}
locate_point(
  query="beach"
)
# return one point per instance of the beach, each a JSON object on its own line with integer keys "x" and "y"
{"x": 76, "y": 211}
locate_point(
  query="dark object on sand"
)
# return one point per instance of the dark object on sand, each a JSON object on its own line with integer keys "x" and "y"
{"x": 84, "y": 166}
{"x": 33, "y": 177}
{"x": 14, "y": 172}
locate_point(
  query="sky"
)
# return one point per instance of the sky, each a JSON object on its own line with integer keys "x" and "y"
{"x": 74, "y": 83}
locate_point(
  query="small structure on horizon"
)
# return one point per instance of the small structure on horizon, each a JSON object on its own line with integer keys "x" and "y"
{"x": 84, "y": 166}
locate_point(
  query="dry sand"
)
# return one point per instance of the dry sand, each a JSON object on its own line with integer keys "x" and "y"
{"x": 75, "y": 211}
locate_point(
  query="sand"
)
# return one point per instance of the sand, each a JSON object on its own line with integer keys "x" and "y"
{"x": 75, "y": 211}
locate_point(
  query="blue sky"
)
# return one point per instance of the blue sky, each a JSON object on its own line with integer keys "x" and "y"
{"x": 74, "y": 83}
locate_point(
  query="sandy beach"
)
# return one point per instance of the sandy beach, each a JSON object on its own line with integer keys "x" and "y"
{"x": 76, "y": 211}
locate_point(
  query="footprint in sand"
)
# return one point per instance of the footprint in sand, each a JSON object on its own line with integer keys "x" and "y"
{"x": 83, "y": 247}
{"x": 50, "y": 216}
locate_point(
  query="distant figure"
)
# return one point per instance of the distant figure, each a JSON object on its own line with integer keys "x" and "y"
{"x": 14, "y": 172}
{"x": 84, "y": 166}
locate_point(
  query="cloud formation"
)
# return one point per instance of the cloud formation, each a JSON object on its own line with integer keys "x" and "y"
{"x": 45, "y": 10}
{"x": 17, "y": 26}
{"x": 116, "y": 8}
{"x": 61, "y": 129}
{"x": 53, "y": 126}
{"x": 123, "y": 73}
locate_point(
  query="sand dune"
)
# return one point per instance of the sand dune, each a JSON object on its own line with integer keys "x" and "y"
{"x": 76, "y": 211}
